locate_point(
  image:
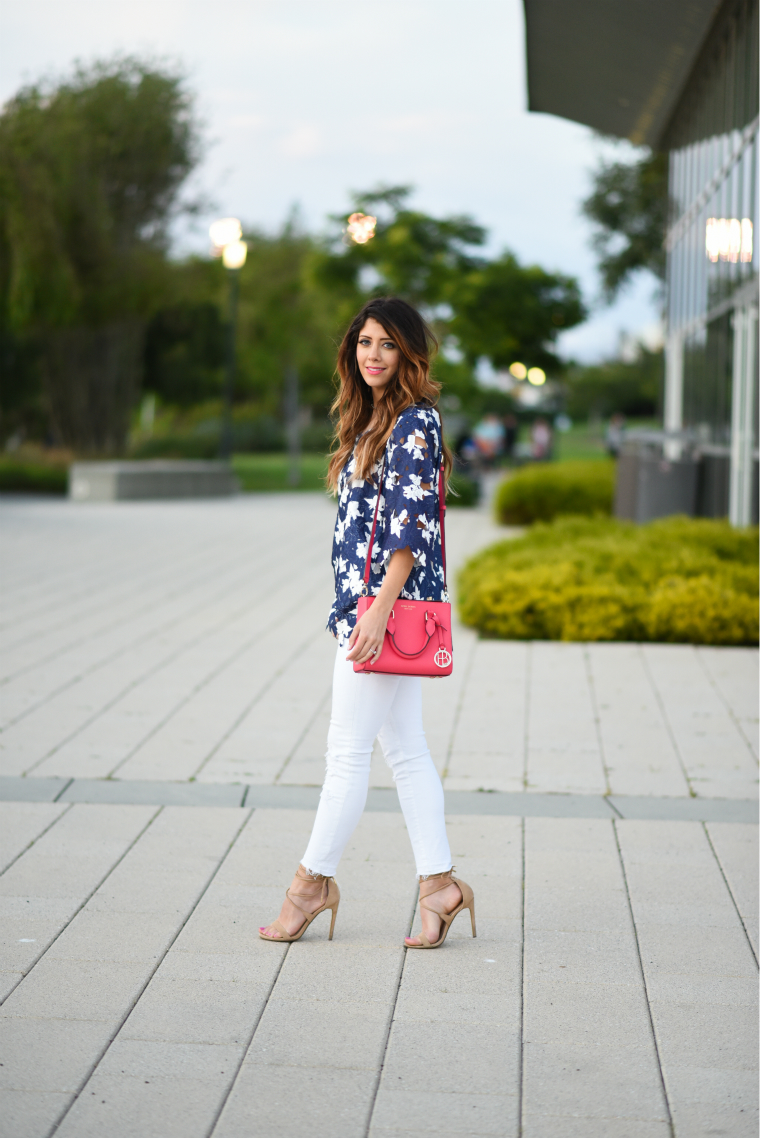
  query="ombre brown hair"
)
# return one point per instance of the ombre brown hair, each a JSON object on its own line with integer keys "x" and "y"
{"x": 353, "y": 405}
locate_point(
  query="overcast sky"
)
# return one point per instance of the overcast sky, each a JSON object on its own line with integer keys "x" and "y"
{"x": 306, "y": 100}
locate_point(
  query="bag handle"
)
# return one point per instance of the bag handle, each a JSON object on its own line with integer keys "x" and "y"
{"x": 441, "y": 516}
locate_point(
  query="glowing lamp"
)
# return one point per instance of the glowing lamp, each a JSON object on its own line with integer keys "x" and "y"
{"x": 361, "y": 228}
{"x": 225, "y": 231}
{"x": 536, "y": 376}
{"x": 234, "y": 254}
{"x": 728, "y": 239}
{"x": 519, "y": 371}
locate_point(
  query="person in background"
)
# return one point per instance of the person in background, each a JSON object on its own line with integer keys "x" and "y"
{"x": 613, "y": 437}
{"x": 541, "y": 440}
{"x": 489, "y": 438}
{"x": 510, "y": 434}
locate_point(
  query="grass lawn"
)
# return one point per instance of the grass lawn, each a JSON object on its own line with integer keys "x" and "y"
{"x": 586, "y": 440}
{"x": 268, "y": 472}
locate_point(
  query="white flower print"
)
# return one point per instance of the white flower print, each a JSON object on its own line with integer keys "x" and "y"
{"x": 397, "y": 521}
{"x": 354, "y": 580}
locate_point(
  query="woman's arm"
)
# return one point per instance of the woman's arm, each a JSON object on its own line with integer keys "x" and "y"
{"x": 369, "y": 632}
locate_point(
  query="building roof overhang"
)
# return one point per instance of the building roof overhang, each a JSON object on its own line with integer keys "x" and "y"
{"x": 616, "y": 65}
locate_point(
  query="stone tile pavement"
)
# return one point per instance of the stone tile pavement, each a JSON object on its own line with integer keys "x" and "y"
{"x": 164, "y": 693}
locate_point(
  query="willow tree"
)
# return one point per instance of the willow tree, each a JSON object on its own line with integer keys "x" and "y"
{"x": 90, "y": 177}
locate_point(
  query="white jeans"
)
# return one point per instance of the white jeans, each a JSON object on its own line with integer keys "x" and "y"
{"x": 388, "y": 708}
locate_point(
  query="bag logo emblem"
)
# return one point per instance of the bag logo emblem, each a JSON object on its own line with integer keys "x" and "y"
{"x": 442, "y": 658}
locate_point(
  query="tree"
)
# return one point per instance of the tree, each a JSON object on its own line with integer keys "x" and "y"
{"x": 498, "y": 309}
{"x": 629, "y": 206}
{"x": 91, "y": 174}
{"x": 413, "y": 255}
{"x": 508, "y": 312}
{"x": 628, "y": 386}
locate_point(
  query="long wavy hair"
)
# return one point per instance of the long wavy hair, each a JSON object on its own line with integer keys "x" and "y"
{"x": 353, "y": 406}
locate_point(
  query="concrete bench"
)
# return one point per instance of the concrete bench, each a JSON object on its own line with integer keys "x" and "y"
{"x": 123, "y": 481}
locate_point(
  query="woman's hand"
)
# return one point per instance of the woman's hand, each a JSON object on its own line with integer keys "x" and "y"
{"x": 367, "y": 639}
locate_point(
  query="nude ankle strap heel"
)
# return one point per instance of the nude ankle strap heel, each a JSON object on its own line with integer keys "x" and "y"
{"x": 467, "y": 902}
{"x": 330, "y": 899}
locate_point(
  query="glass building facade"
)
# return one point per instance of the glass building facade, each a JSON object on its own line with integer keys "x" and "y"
{"x": 711, "y": 402}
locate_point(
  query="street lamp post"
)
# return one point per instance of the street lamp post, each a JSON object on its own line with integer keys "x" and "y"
{"x": 226, "y": 236}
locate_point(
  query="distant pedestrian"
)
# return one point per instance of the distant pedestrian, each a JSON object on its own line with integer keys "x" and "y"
{"x": 388, "y": 419}
{"x": 489, "y": 438}
{"x": 541, "y": 440}
{"x": 510, "y": 434}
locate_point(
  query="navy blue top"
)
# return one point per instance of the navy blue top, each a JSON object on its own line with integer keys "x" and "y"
{"x": 407, "y": 518}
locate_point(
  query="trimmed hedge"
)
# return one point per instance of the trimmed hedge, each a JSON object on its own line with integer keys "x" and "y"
{"x": 22, "y": 476}
{"x": 542, "y": 491}
{"x": 683, "y": 580}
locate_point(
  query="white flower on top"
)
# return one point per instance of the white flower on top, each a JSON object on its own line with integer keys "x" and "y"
{"x": 399, "y": 520}
{"x": 418, "y": 489}
{"x": 416, "y": 444}
{"x": 353, "y": 581}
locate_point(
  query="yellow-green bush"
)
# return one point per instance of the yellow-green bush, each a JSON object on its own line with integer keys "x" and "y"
{"x": 542, "y": 491}
{"x": 685, "y": 580}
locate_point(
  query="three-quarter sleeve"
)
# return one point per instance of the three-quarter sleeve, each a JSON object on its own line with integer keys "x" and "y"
{"x": 410, "y": 489}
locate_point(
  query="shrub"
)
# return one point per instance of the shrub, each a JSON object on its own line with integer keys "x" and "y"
{"x": 21, "y": 476}
{"x": 540, "y": 492}
{"x": 682, "y": 580}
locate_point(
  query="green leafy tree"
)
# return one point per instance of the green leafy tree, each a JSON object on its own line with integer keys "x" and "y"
{"x": 508, "y": 312}
{"x": 629, "y": 206}
{"x": 498, "y": 309}
{"x": 90, "y": 175}
{"x": 631, "y": 387}
{"x": 412, "y": 255}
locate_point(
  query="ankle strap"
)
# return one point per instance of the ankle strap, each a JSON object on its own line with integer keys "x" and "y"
{"x": 433, "y": 876}
{"x": 311, "y": 876}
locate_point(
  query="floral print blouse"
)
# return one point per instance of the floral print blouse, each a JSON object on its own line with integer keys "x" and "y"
{"x": 407, "y": 517}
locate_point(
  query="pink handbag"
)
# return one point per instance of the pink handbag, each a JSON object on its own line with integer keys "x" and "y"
{"x": 418, "y": 634}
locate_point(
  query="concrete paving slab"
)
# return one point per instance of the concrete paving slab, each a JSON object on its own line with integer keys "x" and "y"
{"x": 573, "y": 1080}
{"x": 689, "y": 1031}
{"x": 715, "y": 753}
{"x": 144, "y": 1108}
{"x": 23, "y": 823}
{"x": 581, "y": 1126}
{"x": 329, "y": 1103}
{"x": 736, "y": 848}
{"x": 564, "y": 752}
{"x": 639, "y": 753}
{"x": 18, "y": 789}
{"x": 153, "y": 793}
{"x": 601, "y": 1032}
{"x": 488, "y": 744}
{"x": 422, "y": 1111}
{"x": 28, "y": 1114}
{"x": 733, "y": 671}
{"x": 686, "y": 809}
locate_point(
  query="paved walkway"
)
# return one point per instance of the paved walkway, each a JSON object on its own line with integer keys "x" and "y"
{"x": 165, "y": 693}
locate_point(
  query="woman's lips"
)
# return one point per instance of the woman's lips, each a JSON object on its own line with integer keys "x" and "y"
{"x": 375, "y": 370}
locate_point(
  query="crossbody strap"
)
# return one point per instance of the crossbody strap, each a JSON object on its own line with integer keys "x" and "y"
{"x": 441, "y": 516}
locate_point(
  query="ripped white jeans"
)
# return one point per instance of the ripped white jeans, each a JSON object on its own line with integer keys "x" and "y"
{"x": 387, "y": 708}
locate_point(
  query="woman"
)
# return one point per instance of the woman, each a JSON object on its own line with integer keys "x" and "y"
{"x": 386, "y": 411}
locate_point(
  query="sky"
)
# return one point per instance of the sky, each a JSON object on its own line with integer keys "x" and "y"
{"x": 305, "y": 101}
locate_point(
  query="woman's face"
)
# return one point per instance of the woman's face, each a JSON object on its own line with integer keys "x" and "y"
{"x": 377, "y": 356}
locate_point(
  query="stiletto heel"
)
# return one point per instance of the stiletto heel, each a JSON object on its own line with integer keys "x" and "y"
{"x": 330, "y": 899}
{"x": 467, "y": 902}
